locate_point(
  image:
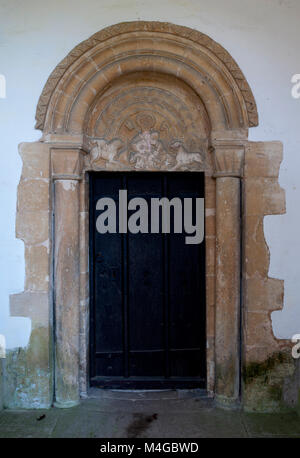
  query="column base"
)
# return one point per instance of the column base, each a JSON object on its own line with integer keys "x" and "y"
{"x": 223, "y": 402}
{"x": 66, "y": 404}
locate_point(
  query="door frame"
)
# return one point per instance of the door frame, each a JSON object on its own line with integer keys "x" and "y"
{"x": 63, "y": 155}
{"x": 70, "y": 174}
{"x": 229, "y": 109}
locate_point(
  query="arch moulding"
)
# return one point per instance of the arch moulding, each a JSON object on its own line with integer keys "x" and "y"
{"x": 129, "y": 86}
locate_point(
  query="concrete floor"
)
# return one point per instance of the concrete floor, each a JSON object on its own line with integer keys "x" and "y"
{"x": 169, "y": 414}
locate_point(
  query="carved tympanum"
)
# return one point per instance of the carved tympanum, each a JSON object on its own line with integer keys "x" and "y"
{"x": 146, "y": 152}
{"x": 147, "y": 123}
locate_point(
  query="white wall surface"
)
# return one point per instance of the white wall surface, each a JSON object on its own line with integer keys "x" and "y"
{"x": 261, "y": 35}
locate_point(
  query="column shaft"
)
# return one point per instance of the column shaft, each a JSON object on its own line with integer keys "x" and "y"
{"x": 228, "y": 289}
{"x": 66, "y": 280}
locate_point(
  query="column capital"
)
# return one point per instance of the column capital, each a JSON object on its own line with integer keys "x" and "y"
{"x": 228, "y": 158}
{"x": 66, "y": 163}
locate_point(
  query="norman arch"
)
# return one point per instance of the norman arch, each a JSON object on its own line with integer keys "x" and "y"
{"x": 128, "y": 82}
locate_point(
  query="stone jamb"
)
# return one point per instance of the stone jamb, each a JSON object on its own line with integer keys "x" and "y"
{"x": 228, "y": 170}
{"x": 61, "y": 171}
{"x": 66, "y": 167}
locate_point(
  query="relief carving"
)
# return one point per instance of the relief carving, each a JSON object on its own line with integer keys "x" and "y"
{"x": 103, "y": 151}
{"x": 145, "y": 151}
{"x": 184, "y": 159}
{"x": 147, "y": 126}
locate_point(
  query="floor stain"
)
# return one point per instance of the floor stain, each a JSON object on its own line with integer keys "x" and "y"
{"x": 140, "y": 424}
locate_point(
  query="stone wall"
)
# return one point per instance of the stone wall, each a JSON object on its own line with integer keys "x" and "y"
{"x": 268, "y": 367}
{"x": 28, "y": 379}
{"x": 270, "y": 379}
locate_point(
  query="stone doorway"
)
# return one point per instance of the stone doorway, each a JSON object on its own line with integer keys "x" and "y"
{"x": 147, "y": 121}
{"x": 143, "y": 96}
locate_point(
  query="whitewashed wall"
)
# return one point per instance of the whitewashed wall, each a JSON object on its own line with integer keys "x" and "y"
{"x": 262, "y": 36}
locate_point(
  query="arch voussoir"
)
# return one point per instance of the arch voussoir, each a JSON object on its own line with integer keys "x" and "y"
{"x": 201, "y": 48}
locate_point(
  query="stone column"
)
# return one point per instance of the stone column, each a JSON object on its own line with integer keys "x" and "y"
{"x": 228, "y": 170}
{"x": 66, "y": 171}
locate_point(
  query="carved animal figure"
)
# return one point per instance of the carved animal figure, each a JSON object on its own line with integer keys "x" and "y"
{"x": 183, "y": 157}
{"x": 104, "y": 150}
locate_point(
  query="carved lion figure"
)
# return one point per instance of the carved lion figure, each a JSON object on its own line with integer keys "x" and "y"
{"x": 103, "y": 150}
{"x": 183, "y": 157}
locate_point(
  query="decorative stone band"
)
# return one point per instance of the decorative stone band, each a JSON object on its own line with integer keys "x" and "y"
{"x": 67, "y": 163}
{"x": 228, "y": 159}
{"x": 67, "y": 177}
{"x": 190, "y": 39}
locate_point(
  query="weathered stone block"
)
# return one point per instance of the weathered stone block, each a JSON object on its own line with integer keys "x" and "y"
{"x": 33, "y": 195}
{"x": 34, "y": 305}
{"x": 27, "y": 373}
{"x": 258, "y": 332}
{"x": 263, "y": 382}
{"x": 263, "y": 159}
{"x": 263, "y": 294}
{"x": 37, "y": 268}
{"x": 36, "y": 163}
{"x": 263, "y": 196}
{"x": 33, "y": 226}
{"x": 256, "y": 253}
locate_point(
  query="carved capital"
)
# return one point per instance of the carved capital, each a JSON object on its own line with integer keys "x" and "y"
{"x": 66, "y": 163}
{"x": 228, "y": 159}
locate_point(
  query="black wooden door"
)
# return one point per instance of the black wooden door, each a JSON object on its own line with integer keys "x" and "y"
{"x": 147, "y": 292}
